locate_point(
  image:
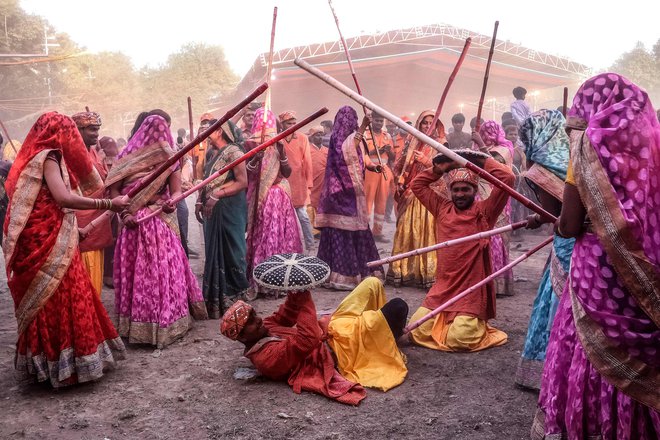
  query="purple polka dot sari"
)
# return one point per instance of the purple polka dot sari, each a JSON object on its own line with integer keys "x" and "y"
{"x": 601, "y": 378}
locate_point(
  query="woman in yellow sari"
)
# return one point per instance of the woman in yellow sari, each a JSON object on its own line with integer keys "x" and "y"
{"x": 415, "y": 224}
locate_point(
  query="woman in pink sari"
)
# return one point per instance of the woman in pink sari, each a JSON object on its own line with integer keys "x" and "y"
{"x": 492, "y": 139}
{"x": 156, "y": 292}
{"x": 272, "y": 221}
{"x": 602, "y": 373}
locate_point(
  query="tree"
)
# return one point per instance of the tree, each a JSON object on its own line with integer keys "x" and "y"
{"x": 642, "y": 67}
{"x": 197, "y": 70}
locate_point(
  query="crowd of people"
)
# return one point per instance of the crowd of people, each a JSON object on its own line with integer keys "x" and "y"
{"x": 592, "y": 341}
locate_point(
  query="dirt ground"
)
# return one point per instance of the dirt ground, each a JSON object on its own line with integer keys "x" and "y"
{"x": 187, "y": 390}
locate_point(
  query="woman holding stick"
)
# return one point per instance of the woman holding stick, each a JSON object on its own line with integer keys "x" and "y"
{"x": 272, "y": 224}
{"x": 347, "y": 244}
{"x": 492, "y": 139}
{"x": 547, "y": 146}
{"x": 64, "y": 333}
{"x": 602, "y": 366}
{"x": 415, "y": 225}
{"x": 222, "y": 209}
{"x": 156, "y": 292}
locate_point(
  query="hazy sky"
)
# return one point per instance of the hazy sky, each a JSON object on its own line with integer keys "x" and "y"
{"x": 591, "y": 32}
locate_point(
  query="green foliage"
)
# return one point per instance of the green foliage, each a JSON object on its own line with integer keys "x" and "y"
{"x": 642, "y": 67}
{"x": 106, "y": 82}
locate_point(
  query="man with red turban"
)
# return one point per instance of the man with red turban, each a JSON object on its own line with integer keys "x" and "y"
{"x": 464, "y": 325}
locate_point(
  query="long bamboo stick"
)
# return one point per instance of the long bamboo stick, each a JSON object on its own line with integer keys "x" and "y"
{"x": 357, "y": 86}
{"x": 485, "y": 84}
{"x": 403, "y": 179}
{"x": 564, "y": 107}
{"x": 241, "y": 159}
{"x": 481, "y": 283}
{"x": 4, "y": 129}
{"x": 179, "y": 154}
{"x": 191, "y": 127}
{"x": 269, "y": 73}
{"x": 448, "y": 243}
{"x": 422, "y": 137}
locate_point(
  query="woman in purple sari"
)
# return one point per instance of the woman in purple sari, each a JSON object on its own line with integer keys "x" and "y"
{"x": 346, "y": 240}
{"x": 156, "y": 292}
{"x": 602, "y": 372}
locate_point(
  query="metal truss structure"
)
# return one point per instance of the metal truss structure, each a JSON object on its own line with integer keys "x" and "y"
{"x": 446, "y": 36}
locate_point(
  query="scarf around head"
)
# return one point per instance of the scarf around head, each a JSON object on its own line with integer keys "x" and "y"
{"x": 546, "y": 142}
{"x": 338, "y": 195}
{"x": 54, "y": 131}
{"x": 623, "y": 129}
{"x": 493, "y": 135}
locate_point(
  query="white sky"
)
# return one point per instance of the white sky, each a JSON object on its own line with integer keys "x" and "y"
{"x": 594, "y": 33}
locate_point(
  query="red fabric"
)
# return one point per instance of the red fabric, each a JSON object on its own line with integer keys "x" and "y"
{"x": 53, "y": 131}
{"x": 101, "y": 236}
{"x": 74, "y": 317}
{"x": 464, "y": 265}
{"x": 301, "y": 357}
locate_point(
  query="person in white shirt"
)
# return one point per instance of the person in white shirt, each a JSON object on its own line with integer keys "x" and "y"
{"x": 519, "y": 108}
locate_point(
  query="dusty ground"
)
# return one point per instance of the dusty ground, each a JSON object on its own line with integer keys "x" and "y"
{"x": 188, "y": 391}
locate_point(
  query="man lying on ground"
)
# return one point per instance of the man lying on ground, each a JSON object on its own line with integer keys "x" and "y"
{"x": 290, "y": 344}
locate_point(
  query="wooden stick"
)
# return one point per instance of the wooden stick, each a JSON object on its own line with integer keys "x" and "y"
{"x": 241, "y": 159}
{"x": 448, "y": 243}
{"x": 481, "y": 283}
{"x": 485, "y": 84}
{"x": 190, "y": 117}
{"x": 87, "y": 109}
{"x": 267, "y": 104}
{"x": 178, "y": 155}
{"x": 357, "y": 86}
{"x": 403, "y": 178}
{"x": 423, "y": 138}
{"x": 13, "y": 147}
{"x": 564, "y": 108}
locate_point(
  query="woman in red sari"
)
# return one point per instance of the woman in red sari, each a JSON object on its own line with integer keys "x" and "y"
{"x": 64, "y": 333}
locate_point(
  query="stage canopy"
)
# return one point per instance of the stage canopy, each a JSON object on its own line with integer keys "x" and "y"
{"x": 406, "y": 70}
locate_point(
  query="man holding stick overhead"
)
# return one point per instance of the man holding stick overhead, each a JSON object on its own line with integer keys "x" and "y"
{"x": 463, "y": 326}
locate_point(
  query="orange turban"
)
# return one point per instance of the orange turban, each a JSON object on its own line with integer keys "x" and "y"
{"x": 235, "y": 318}
{"x": 463, "y": 175}
{"x": 285, "y": 116}
{"x": 85, "y": 119}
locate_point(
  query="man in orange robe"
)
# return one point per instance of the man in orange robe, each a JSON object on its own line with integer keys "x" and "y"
{"x": 462, "y": 326}
{"x": 301, "y": 181}
{"x": 91, "y": 247}
{"x": 376, "y": 188}
{"x": 319, "y": 155}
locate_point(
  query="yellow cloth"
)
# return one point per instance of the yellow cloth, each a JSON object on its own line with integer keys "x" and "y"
{"x": 311, "y": 213}
{"x": 362, "y": 340}
{"x": 93, "y": 261}
{"x": 570, "y": 179}
{"x": 464, "y": 333}
{"x": 415, "y": 228}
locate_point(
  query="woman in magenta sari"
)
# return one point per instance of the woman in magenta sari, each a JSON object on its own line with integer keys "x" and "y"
{"x": 272, "y": 224}
{"x": 492, "y": 139}
{"x": 346, "y": 240}
{"x": 602, "y": 372}
{"x": 156, "y": 292}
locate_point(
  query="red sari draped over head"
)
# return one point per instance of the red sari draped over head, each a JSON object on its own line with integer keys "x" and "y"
{"x": 65, "y": 335}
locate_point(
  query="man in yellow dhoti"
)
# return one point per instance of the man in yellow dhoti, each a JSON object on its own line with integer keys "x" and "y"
{"x": 91, "y": 247}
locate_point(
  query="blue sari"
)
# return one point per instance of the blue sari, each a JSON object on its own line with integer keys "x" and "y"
{"x": 547, "y": 147}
